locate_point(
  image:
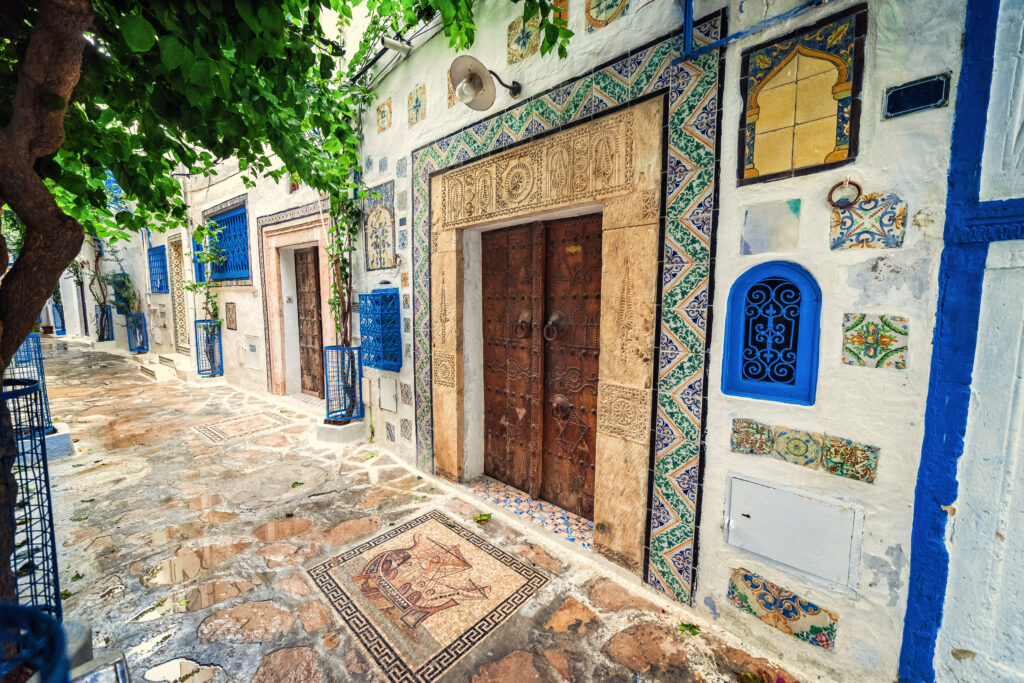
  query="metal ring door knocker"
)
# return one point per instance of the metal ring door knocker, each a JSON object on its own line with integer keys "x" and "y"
{"x": 561, "y": 408}
{"x": 522, "y": 328}
{"x": 555, "y": 327}
{"x": 851, "y": 193}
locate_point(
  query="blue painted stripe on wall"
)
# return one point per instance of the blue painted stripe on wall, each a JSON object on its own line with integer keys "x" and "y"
{"x": 961, "y": 273}
{"x": 970, "y": 225}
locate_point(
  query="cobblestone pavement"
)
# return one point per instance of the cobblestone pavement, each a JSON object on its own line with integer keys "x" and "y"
{"x": 189, "y": 516}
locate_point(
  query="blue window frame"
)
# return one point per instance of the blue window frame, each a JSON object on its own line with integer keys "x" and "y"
{"x": 199, "y": 269}
{"x": 771, "y": 334}
{"x": 234, "y": 241}
{"x": 158, "y": 283}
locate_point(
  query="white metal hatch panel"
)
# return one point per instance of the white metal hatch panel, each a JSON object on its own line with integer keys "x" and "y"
{"x": 817, "y": 537}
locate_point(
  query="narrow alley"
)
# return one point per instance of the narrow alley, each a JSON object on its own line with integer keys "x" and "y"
{"x": 204, "y": 532}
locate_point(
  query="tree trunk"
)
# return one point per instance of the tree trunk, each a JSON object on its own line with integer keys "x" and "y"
{"x": 50, "y": 69}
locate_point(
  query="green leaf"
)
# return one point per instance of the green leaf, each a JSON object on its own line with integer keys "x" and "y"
{"x": 171, "y": 52}
{"x": 482, "y": 518}
{"x": 296, "y": 484}
{"x": 138, "y": 33}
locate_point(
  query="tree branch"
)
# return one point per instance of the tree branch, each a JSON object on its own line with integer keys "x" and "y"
{"x": 49, "y": 72}
{"x": 52, "y": 240}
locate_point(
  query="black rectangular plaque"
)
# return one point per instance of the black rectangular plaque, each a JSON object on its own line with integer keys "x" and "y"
{"x": 930, "y": 92}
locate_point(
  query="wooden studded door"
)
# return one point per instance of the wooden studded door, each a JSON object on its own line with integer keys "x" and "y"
{"x": 311, "y": 350}
{"x": 541, "y": 310}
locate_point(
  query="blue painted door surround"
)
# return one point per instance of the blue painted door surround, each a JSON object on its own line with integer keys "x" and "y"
{"x": 970, "y": 226}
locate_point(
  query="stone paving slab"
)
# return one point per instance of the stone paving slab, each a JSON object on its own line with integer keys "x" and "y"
{"x": 193, "y": 555}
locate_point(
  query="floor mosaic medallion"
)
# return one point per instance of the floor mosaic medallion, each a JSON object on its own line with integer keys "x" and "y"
{"x": 240, "y": 425}
{"x": 420, "y": 596}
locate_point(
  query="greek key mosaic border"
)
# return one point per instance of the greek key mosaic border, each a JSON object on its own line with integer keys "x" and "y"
{"x": 692, "y": 90}
{"x": 374, "y": 642}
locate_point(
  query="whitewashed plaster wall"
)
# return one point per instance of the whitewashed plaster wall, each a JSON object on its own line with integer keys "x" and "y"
{"x": 878, "y": 406}
{"x": 1002, "y": 169}
{"x": 241, "y": 366}
{"x": 882, "y": 407}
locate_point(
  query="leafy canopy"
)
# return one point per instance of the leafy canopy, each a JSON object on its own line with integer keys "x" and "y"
{"x": 177, "y": 85}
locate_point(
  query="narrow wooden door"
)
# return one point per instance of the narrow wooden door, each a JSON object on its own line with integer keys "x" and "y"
{"x": 311, "y": 348}
{"x": 541, "y": 310}
{"x": 571, "y": 345}
{"x": 513, "y": 277}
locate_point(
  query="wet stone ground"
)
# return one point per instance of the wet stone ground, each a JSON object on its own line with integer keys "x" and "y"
{"x": 189, "y": 552}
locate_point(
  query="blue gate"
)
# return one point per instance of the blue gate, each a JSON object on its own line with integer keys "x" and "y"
{"x": 343, "y": 375}
{"x": 138, "y": 337}
{"x": 58, "y": 320}
{"x": 209, "y": 360}
{"x": 104, "y": 322}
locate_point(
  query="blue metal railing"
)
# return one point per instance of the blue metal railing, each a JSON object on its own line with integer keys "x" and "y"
{"x": 380, "y": 329}
{"x": 58, "y": 320}
{"x": 138, "y": 337}
{"x": 28, "y": 364}
{"x": 104, "y": 322}
{"x": 209, "y": 359}
{"x": 35, "y": 551}
{"x": 32, "y": 640}
{"x": 343, "y": 378}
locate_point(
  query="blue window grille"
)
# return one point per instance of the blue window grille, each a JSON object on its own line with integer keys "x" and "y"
{"x": 380, "y": 329}
{"x": 104, "y": 322}
{"x": 35, "y": 552}
{"x": 771, "y": 334}
{"x": 158, "y": 282}
{"x": 199, "y": 269}
{"x": 28, "y": 364}
{"x": 138, "y": 336}
{"x": 122, "y": 292}
{"x": 209, "y": 359}
{"x": 234, "y": 241}
{"x": 343, "y": 370}
{"x": 58, "y": 320}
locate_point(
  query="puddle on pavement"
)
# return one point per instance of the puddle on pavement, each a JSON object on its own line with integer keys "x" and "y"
{"x": 190, "y": 562}
{"x": 213, "y": 592}
{"x": 182, "y": 670}
{"x": 282, "y": 528}
{"x": 160, "y": 609}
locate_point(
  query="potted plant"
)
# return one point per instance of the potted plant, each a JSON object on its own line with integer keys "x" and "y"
{"x": 209, "y": 357}
{"x": 343, "y": 368}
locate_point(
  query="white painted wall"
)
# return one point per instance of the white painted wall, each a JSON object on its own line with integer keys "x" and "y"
{"x": 909, "y": 156}
{"x": 292, "y": 368}
{"x": 1002, "y": 168}
{"x": 982, "y": 634}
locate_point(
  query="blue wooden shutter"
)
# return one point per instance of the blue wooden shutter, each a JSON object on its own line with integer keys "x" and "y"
{"x": 199, "y": 269}
{"x": 158, "y": 282}
{"x": 380, "y": 329}
{"x": 234, "y": 241}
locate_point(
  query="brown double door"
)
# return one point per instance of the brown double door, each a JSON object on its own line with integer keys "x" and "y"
{"x": 541, "y": 316}
{"x": 311, "y": 349}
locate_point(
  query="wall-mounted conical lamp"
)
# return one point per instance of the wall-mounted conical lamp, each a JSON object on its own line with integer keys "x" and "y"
{"x": 474, "y": 83}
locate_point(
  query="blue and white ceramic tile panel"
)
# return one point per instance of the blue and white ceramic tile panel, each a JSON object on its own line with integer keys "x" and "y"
{"x": 692, "y": 89}
{"x": 572, "y": 528}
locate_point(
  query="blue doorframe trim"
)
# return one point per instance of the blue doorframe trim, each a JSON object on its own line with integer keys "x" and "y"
{"x": 970, "y": 226}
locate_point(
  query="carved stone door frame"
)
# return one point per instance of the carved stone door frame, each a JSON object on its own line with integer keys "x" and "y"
{"x": 613, "y": 165}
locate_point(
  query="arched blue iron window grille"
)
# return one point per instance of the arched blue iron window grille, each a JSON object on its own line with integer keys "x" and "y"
{"x": 771, "y": 334}
{"x": 380, "y": 329}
